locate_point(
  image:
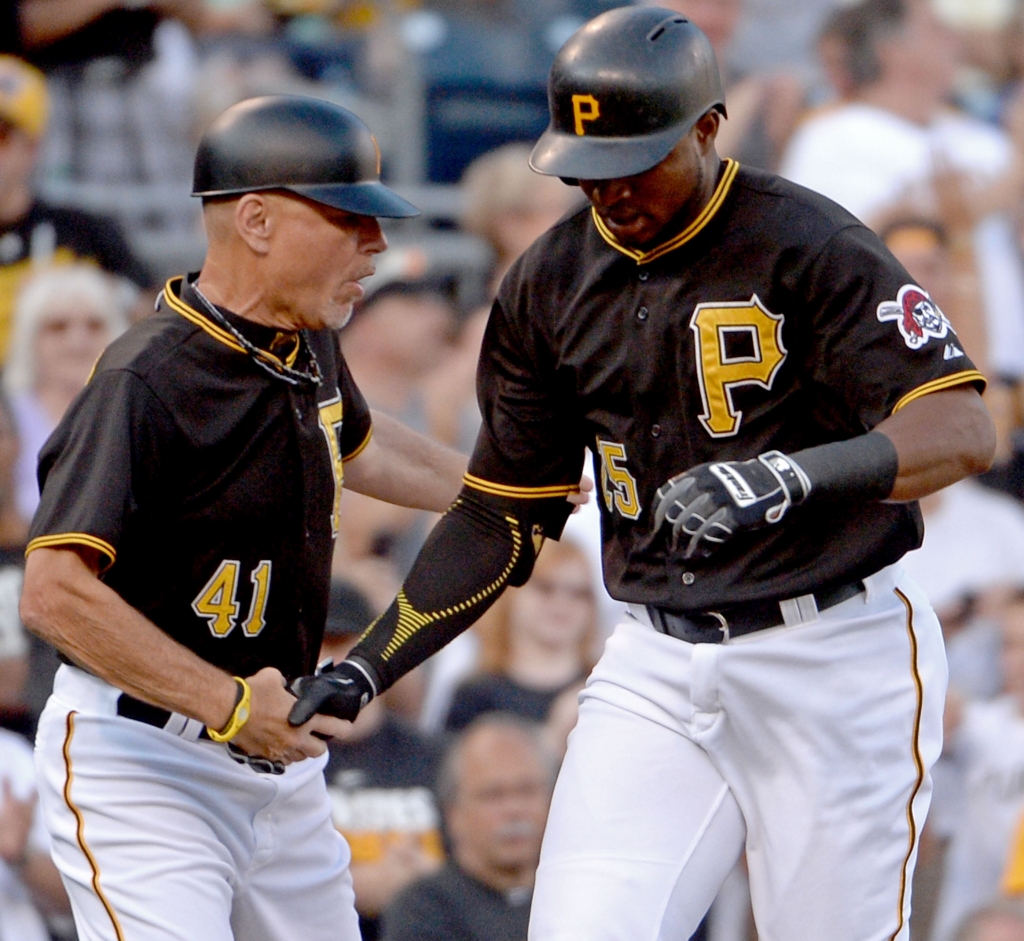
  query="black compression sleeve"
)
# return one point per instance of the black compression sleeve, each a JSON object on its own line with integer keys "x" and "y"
{"x": 864, "y": 467}
{"x": 479, "y": 547}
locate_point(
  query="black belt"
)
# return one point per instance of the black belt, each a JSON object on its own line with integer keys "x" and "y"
{"x": 129, "y": 707}
{"x": 713, "y": 627}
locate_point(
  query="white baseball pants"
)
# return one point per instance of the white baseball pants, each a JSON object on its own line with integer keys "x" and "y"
{"x": 808, "y": 745}
{"x": 159, "y": 838}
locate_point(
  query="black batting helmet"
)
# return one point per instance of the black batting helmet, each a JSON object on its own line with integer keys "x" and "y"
{"x": 623, "y": 91}
{"x": 305, "y": 145}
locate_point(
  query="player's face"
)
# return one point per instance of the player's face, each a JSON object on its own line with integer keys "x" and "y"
{"x": 318, "y": 256}
{"x": 639, "y": 210}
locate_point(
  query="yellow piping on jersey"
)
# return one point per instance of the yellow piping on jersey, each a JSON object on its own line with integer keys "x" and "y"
{"x": 691, "y": 231}
{"x": 197, "y": 318}
{"x": 193, "y": 316}
{"x": 80, "y": 539}
{"x": 359, "y": 450}
{"x": 918, "y": 762}
{"x": 937, "y": 385}
{"x": 522, "y": 493}
{"x": 410, "y": 621}
{"x": 80, "y": 829}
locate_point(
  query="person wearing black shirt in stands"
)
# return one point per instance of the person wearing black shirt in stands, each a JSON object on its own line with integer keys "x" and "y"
{"x": 32, "y": 232}
{"x": 495, "y": 786}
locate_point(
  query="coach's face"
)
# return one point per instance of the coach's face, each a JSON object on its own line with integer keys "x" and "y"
{"x": 278, "y": 259}
{"x": 644, "y": 209}
{"x": 320, "y": 255}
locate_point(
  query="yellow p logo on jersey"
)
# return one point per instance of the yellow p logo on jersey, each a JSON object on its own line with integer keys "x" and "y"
{"x": 755, "y": 361}
{"x": 592, "y": 112}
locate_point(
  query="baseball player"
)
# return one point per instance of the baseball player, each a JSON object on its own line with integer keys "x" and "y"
{"x": 766, "y": 393}
{"x": 180, "y": 557}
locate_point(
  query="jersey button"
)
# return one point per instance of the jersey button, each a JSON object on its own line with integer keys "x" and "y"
{"x": 655, "y": 431}
{"x": 644, "y": 275}
{"x": 688, "y": 578}
{"x": 642, "y": 313}
{"x": 298, "y": 413}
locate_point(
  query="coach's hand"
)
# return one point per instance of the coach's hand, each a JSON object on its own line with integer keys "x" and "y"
{"x": 710, "y": 503}
{"x": 268, "y": 734}
{"x": 341, "y": 690}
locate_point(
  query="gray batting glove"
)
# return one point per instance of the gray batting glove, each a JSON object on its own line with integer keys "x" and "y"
{"x": 712, "y": 502}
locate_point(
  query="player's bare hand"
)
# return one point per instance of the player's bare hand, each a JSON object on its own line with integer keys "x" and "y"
{"x": 710, "y": 503}
{"x": 581, "y": 497}
{"x": 267, "y": 734}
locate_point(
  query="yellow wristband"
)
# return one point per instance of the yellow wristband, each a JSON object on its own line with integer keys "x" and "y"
{"x": 239, "y": 716}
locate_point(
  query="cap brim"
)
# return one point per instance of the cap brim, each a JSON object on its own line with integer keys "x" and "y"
{"x": 602, "y": 158}
{"x": 362, "y": 199}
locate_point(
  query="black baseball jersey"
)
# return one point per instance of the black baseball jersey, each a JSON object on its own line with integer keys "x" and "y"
{"x": 774, "y": 320}
{"x": 209, "y": 484}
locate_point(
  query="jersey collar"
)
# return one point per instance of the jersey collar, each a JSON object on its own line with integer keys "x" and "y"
{"x": 706, "y": 215}
{"x": 174, "y": 292}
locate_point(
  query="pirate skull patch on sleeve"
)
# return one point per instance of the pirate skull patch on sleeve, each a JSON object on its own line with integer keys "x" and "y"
{"x": 917, "y": 316}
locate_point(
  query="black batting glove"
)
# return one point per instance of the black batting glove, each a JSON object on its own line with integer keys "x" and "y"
{"x": 339, "y": 690}
{"x": 710, "y": 503}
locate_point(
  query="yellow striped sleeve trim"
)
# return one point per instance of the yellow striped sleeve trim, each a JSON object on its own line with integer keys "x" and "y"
{"x": 522, "y": 493}
{"x": 73, "y": 539}
{"x": 80, "y": 829}
{"x": 690, "y": 232}
{"x": 918, "y": 766}
{"x": 362, "y": 447}
{"x": 937, "y": 385}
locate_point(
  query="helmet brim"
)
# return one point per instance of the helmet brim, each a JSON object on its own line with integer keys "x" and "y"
{"x": 370, "y": 198}
{"x": 602, "y": 158}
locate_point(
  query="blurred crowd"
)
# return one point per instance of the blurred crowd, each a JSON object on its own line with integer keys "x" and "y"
{"x": 910, "y": 113}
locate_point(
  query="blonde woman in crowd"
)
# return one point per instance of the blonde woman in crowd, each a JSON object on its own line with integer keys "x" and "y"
{"x": 63, "y": 319}
{"x": 509, "y": 206}
{"x": 536, "y": 642}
